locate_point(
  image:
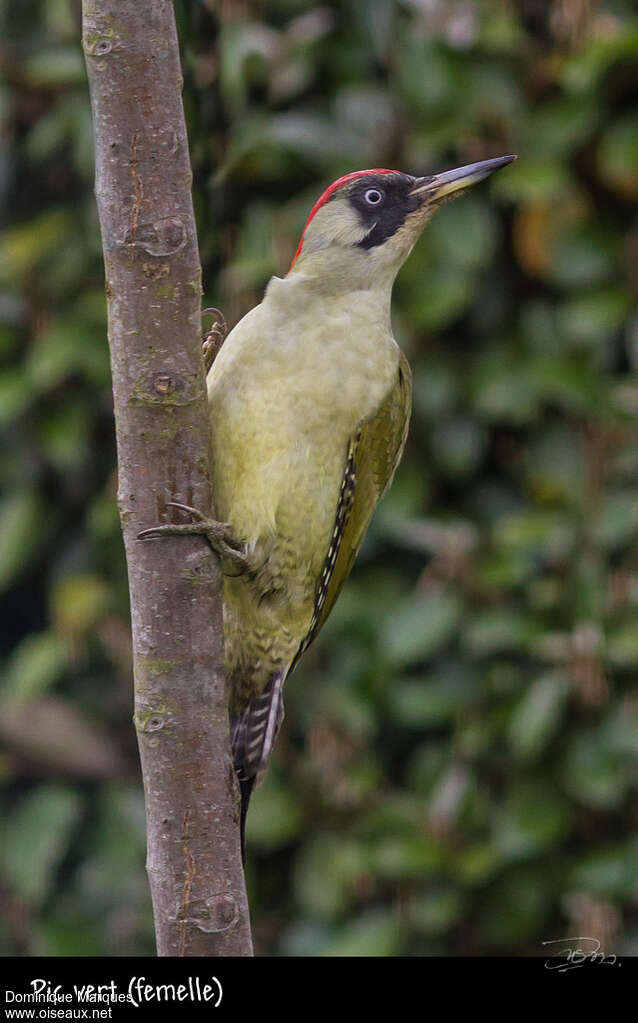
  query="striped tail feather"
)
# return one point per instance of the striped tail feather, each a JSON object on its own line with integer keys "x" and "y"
{"x": 252, "y": 737}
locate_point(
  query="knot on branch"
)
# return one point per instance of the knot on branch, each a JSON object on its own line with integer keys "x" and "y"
{"x": 152, "y": 720}
{"x": 161, "y": 238}
{"x": 218, "y": 913}
{"x": 163, "y": 389}
{"x": 152, "y": 723}
{"x": 100, "y": 44}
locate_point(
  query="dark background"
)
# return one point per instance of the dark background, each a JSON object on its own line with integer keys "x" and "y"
{"x": 457, "y": 771}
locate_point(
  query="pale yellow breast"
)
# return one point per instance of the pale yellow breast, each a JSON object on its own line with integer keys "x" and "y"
{"x": 288, "y": 389}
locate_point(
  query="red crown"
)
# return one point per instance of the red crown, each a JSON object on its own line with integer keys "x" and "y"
{"x": 328, "y": 193}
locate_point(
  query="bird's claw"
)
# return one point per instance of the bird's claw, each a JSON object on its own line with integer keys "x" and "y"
{"x": 214, "y": 337}
{"x": 219, "y": 535}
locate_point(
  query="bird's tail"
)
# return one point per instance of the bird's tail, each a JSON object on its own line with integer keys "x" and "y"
{"x": 252, "y": 736}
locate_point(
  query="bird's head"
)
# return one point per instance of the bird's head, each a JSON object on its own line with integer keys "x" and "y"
{"x": 363, "y": 227}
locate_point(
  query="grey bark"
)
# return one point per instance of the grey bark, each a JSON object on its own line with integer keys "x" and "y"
{"x": 153, "y": 287}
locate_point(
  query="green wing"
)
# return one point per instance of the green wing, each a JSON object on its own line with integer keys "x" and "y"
{"x": 372, "y": 457}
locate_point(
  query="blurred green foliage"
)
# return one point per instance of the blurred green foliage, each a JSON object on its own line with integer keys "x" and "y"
{"x": 458, "y": 768}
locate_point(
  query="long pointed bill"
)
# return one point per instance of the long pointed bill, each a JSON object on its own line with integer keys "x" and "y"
{"x": 440, "y": 185}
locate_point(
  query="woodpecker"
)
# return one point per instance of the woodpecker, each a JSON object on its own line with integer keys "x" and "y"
{"x": 309, "y": 401}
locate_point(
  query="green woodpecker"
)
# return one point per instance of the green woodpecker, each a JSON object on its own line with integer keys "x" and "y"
{"x": 309, "y": 404}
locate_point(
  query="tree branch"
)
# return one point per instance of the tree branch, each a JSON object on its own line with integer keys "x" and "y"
{"x": 153, "y": 287}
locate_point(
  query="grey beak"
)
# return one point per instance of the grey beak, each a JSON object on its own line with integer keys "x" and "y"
{"x": 439, "y": 185}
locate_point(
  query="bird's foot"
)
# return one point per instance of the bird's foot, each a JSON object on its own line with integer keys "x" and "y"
{"x": 214, "y": 337}
{"x": 219, "y": 535}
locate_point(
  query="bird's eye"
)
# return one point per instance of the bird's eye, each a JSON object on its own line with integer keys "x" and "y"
{"x": 373, "y": 197}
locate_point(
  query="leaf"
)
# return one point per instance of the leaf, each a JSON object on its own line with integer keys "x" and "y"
{"x": 274, "y": 817}
{"x": 54, "y": 68}
{"x": 65, "y": 347}
{"x": 436, "y": 911}
{"x": 534, "y": 818}
{"x": 610, "y": 871}
{"x": 24, "y": 246}
{"x": 402, "y": 857}
{"x": 533, "y": 179}
{"x": 37, "y": 837}
{"x": 22, "y": 530}
{"x": 463, "y": 235}
{"x": 592, "y": 773}
{"x": 434, "y": 390}
{"x": 374, "y": 933}
{"x": 536, "y": 716}
{"x": 594, "y": 317}
{"x": 514, "y": 910}
{"x": 419, "y": 627}
{"x": 618, "y": 156}
{"x": 78, "y": 602}
{"x": 458, "y": 445}
{"x": 14, "y": 395}
{"x": 325, "y": 873}
{"x": 430, "y": 700}
{"x": 34, "y": 665}
{"x": 494, "y": 631}
{"x": 501, "y": 391}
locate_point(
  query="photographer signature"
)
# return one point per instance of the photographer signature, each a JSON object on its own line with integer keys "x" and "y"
{"x": 576, "y": 952}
